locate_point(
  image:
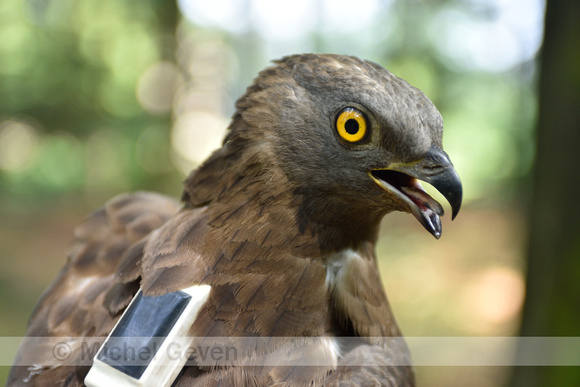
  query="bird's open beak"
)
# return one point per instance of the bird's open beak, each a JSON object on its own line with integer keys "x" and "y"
{"x": 435, "y": 168}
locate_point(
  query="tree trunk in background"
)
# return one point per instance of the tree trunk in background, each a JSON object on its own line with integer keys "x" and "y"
{"x": 552, "y": 306}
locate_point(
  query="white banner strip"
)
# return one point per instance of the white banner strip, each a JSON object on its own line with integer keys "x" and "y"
{"x": 291, "y": 351}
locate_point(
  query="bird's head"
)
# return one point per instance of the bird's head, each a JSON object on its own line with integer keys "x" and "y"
{"x": 353, "y": 140}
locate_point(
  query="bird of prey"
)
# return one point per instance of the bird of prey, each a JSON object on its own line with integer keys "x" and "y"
{"x": 281, "y": 223}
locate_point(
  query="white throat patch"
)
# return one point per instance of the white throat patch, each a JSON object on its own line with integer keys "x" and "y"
{"x": 335, "y": 264}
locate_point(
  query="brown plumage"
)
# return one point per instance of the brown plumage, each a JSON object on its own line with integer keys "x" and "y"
{"x": 281, "y": 221}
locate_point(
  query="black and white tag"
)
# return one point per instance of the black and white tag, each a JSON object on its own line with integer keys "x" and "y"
{"x": 147, "y": 346}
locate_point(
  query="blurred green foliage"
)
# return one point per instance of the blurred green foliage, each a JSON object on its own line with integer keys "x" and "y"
{"x": 70, "y": 120}
{"x": 75, "y": 128}
{"x": 70, "y": 73}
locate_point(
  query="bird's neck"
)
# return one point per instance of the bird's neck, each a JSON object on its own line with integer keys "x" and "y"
{"x": 241, "y": 179}
{"x": 291, "y": 252}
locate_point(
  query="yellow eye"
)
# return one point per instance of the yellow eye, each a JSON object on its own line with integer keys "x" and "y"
{"x": 351, "y": 125}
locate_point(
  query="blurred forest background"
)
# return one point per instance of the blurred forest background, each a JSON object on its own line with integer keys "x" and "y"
{"x": 99, "y": 97}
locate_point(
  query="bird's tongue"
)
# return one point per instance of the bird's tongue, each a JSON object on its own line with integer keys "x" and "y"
{"x": 427, "y": 210}
{"x": 414, "y": 191}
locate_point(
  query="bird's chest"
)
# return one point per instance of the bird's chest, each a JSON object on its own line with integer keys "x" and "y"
{"x": 285, "y": 297}
{"x": 359, "y": 305}
{"x": 337, "y": 266}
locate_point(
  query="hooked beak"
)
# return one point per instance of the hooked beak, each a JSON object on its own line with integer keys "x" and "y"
{"x": 402, "y": 180}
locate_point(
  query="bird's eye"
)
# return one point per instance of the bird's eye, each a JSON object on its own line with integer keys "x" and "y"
{"x": 351, "y": 125}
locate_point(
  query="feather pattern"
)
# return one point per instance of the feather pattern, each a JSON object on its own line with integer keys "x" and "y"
{"x": 281, "y": 222}
{"x": 85, "y": 300}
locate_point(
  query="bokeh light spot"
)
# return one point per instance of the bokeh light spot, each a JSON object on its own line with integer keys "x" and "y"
{"x": 494, "y": 296}
{"x": 18, "y": 146}
{"x": 195, "y": 136}
{"x": 156, "y": 87}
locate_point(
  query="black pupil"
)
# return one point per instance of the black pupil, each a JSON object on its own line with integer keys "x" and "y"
{"x": 351, "y": 126}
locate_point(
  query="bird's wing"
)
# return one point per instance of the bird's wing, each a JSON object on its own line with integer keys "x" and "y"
{"x": 86, "y": 299}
